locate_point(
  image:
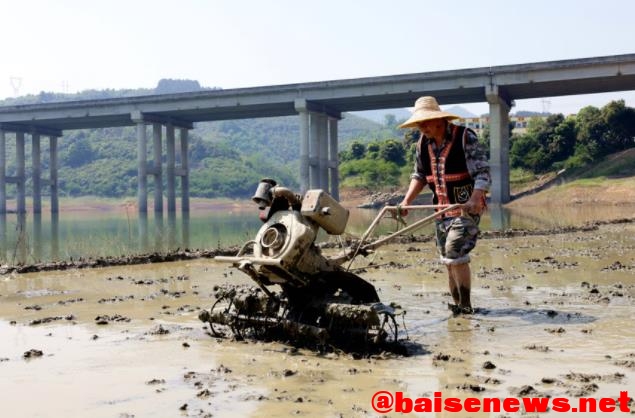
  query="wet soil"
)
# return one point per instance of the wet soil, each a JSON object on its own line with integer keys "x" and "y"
{"x": 553, "y": 318}
{"x": 127, "y": 260}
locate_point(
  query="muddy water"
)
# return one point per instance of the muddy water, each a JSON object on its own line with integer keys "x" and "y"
{"x": 554, "y": 313}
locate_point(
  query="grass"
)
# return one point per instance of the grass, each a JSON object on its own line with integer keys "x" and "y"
{"x": 619, "y": 164}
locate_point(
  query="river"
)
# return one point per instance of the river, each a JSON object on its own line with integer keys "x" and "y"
{"x": 30, "y": 239}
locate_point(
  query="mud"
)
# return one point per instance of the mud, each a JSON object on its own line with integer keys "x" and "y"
{"x": 554, "y": 318}
{"x": 126, "y": 260}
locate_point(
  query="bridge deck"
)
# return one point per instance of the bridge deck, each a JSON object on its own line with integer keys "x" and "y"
{"x": 522, "y": 81}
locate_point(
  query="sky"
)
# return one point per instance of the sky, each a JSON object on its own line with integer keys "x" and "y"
{"x": 74, "y": 45}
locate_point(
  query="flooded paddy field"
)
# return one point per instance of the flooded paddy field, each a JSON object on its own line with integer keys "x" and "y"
{"x": 554, "y": 318}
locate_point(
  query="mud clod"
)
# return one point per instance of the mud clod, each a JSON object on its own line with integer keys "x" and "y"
{"x": 32, "y": 353}
{"x": 106, "y": 319}
{"x": 527, "y": 391}
{"x": 471, "y": 387}
{"x": 155, "y": 382}
{"x": 488, "y": 365}
{"x": 159, "y": 330}
{"x": 205, "y": 393}
{"x": 223, "y": 370}
{"x": 49, "y": 319}
{"x": 559, "y": 330}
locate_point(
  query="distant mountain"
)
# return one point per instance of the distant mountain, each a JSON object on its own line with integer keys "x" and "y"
{"x": 528, "y": 113}
{"x": 379, "y": 115}
{"x": 460, "y": 111}
{"x": 164, "y": 86}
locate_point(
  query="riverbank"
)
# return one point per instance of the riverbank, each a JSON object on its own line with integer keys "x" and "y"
{"x": 597, "y": 191}
{"x": 562, "y": 193}
{"x": 95, "y": 204}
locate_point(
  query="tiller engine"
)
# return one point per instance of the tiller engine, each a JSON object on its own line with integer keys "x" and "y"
{"x": 319, "y": 303}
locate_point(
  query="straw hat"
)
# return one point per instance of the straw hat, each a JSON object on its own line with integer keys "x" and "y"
{"x": 426, "y": 108}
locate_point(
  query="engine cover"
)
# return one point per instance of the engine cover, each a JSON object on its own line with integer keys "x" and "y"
{"x": 286, "y": 236}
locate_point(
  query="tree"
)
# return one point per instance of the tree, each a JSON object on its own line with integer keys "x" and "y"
{"x": 620, "y": 121}
{"x": 527, "y": 152}
{"x": 358, "y": 150}
{"x": 392, "y": 151}
{"x": 372, "y": 150}
{"x": 561, "y": 143}
{"x": 546, "y": 142}
{"x": 590, "y": 127}
{"x": 390, "y": 121}
{"x": 410, "y": 137}
{"x": 79, "y": 153}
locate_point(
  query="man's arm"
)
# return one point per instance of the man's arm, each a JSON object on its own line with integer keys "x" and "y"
{"x": 414, "y": 189}
{"x": 478, "y": 167}
{"x": 417, "y": 181}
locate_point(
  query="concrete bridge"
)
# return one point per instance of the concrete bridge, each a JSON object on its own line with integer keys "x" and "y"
{"x": 319, "y": 106}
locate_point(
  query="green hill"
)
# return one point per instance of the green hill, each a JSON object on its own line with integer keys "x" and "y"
{"x": 619, "y": 164}
{"x": 608, "y": 181}
{"x": 227, "y": 158}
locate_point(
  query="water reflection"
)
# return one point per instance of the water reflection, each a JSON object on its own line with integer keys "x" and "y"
{"x": 164, "y": 238}
{"x": 500, "y": 217}
{"x": 27, "y": 238}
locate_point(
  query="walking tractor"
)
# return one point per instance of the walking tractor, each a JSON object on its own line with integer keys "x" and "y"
{"x": 303, "y": 297}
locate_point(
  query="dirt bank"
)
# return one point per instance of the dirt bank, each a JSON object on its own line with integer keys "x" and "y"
{"x": 597, "y": 191}
{"x": 600, "y": 192}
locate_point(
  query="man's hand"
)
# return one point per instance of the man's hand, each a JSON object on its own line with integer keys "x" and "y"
{"x": 402, "y": 212}
{"x": 414, "y": 189}
{"x": 476, "y": 204}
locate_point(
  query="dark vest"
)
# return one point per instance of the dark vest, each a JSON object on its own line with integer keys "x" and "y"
{"x": 446, "y": 170}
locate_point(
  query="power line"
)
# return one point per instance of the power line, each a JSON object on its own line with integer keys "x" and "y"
{"x": 546, "y": 105}
{"x": 16, "y": 83}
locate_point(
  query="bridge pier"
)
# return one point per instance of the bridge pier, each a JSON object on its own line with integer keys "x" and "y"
{"x": 19, "y": 179}
{"x": 170, "y": 151}
{"x": 55, "y": 205}
{"x": 499, "y": 106}
{"x": 172, "y": 170}
{"x": 314, "y": 144}
{"x": 304, "y": 149}
{"x": 333, "y": 161}
{"x": 3, "y": 166}
{"x": 157, "y": 149}
{"x": 323, "y": 151}
{"x": 318, "y": 147}
{"x": 142, "y": 162}
{"x": 36, "y": 170}
{"x": 184, "y": 171}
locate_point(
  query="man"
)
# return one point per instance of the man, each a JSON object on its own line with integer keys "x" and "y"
{"x": 451, "y": 162}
